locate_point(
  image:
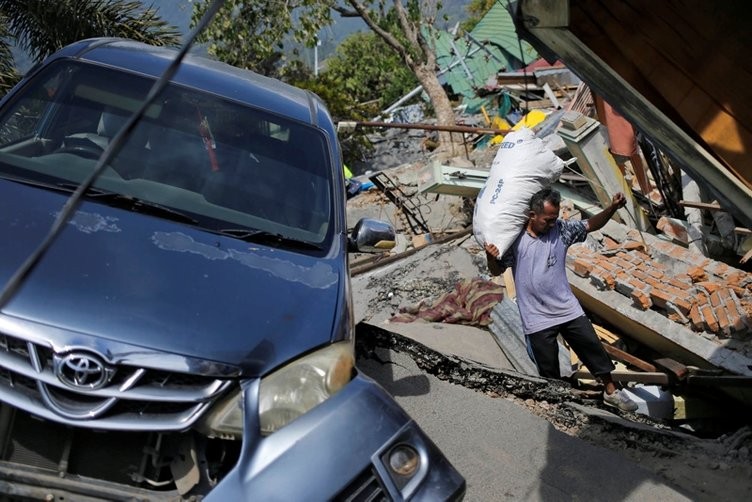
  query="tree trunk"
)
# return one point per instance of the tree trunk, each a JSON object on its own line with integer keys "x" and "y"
{"x": 441, "y": 106}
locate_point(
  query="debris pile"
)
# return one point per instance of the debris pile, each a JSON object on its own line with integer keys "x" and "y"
{"x": 693, "y": 290}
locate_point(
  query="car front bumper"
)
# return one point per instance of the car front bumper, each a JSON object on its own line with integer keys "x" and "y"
{"x": 338, "y": 450}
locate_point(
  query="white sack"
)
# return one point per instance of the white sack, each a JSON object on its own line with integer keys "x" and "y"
{"x": 522, "y": 166}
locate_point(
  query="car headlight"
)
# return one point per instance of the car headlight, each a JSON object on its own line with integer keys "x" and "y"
{"x": 295, "y": 389}
{"x": 225, "y": 418}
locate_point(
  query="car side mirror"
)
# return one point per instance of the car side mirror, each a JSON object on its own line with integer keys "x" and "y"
{"x": 371, "y": 236}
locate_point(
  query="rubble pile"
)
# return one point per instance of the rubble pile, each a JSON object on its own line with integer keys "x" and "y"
{"x": 706, "y": 295}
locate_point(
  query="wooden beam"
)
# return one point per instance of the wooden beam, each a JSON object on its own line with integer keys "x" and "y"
{"x": 628, "y": 358}
{"x": 676, "y": 370}
{"x": 627, "y": 376}
{"x": 746, "y": 257}
{"x": 511, "y": 290}
{"x": 710, "y": 206}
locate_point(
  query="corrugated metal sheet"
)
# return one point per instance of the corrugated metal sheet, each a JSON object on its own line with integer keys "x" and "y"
{"x": 470, "y": 63}
{"x": 497, "y": 27}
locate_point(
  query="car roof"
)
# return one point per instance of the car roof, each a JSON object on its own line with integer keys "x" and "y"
{"x": 200, "y": 73}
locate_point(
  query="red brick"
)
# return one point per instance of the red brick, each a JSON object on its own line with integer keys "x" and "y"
{"x": 639, "y": 274}
{"x": 682, "y": 304}
{"x": 631, "y": 245}
{"x": 723, "y": 320}
{"x": 735, "y": 315}
{"x": 701, "y": 298}
{"x": 601, "y": 278}
{"x": 677, "y": 317}
{"x": 641, "y": 299}
{"x": 609, "y": 243}
{"x": 622, "y": 263}
{"x": 653, "y": 282}
{"x": 715, "y": 299}
{"x": 642, "y": 286}
{"x": 674, "y": 291}
{"x": 696, "y": 317}
{"x": 681, "y": 285}
{"x": 709, "y": 286}
{"x": 582, "y": 267}
{"x": 608, "y": 265}
{"x": 697, "y": 274}
{"x": 660, "y": 298}
{"x": 735, "y": 278}
{"x": 711, "y": 324}
{"x": 739, "y": 292}
{"x": 725, "y": 294}
{"x": 658, "y": 266}
{"x": 652, "y": 272}
{"x": 736, "y": 321}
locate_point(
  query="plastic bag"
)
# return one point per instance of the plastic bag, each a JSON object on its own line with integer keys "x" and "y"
{"x": 522, "y": 166}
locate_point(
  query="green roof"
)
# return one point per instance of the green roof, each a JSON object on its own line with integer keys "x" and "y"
{"x": 467, "y": 67}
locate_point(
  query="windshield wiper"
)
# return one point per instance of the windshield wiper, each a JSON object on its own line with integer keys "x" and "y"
{"x": 265, "y": 237}
{"x": 132, "y": 203}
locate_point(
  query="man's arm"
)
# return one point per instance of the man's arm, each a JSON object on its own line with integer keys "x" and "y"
{"x": 497, "y": 264}
{"x": 597, "y": 221}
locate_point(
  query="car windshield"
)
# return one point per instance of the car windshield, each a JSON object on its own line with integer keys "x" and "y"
{"x": 223, "y": 164}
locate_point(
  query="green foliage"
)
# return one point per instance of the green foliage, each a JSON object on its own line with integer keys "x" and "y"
{"x": 8, "y": 74}
{"x": 369, "y": 71}
{"x": 251, "y": 34}
{"x": 41, "y": 27}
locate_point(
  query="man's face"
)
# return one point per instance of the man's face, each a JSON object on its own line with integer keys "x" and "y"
{"x": 542, "y": 222}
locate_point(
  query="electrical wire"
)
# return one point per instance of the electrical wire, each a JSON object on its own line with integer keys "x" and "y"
{"x": 15, "y": 282}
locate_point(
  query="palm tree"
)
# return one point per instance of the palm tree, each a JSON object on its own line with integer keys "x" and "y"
{"x": 40, "y": 27}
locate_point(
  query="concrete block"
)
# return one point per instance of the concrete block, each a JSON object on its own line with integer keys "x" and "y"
{"x": 652, "y": 401}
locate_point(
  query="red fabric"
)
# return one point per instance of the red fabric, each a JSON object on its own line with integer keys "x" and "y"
{"x": 470, "y": 302}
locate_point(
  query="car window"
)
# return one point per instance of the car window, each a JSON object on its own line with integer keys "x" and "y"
{"x": 227, "y": 164}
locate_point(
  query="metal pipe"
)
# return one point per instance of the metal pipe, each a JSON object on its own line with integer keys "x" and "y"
{"x": 429, "y": 127}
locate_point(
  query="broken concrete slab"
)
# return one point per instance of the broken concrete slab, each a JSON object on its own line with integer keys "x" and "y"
{"x": 468, "y": 342}
{"x": 656, "y": 331}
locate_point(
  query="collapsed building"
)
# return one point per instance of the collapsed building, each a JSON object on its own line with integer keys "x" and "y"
{"x": 668, "y": 281}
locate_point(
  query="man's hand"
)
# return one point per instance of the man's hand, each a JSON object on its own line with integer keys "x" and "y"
{"x": 599, "y": 220}
{"x": 492, "y": 260}
{"x": 618, "y": 200}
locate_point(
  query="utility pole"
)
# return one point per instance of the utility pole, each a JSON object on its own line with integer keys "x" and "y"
{"x": 316, "y": 57}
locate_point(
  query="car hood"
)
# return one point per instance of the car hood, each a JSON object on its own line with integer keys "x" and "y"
{"x": 169, "y": 287}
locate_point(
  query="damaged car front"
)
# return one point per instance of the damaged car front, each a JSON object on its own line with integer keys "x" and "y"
{"x": 188, "y": 333}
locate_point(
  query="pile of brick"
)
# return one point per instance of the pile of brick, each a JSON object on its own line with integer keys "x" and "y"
{"x": 689, "y": 288}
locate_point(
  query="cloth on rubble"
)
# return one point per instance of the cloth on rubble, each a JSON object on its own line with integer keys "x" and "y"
{"x": 470, "y": 302}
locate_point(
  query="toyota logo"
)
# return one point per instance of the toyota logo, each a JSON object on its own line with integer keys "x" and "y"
{"x": 83, "y": 371}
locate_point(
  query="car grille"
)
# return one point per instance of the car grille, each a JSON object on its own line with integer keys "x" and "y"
{"x": 364, "y": 488}
{"x": 132, "y": 398}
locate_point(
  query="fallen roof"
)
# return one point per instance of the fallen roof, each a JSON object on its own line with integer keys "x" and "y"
{"x": 679, "y": 73}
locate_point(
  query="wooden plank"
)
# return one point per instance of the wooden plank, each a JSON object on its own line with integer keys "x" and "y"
{"x": 511, "y": 291}
{"x": 628, "y": 358}
{"x": 605, "y": 335}
{"x": 627, "y": 376}
{"x": 676, "y": 370}
{"x": 710, "y": 206}
{"x": 746, "y": 257}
